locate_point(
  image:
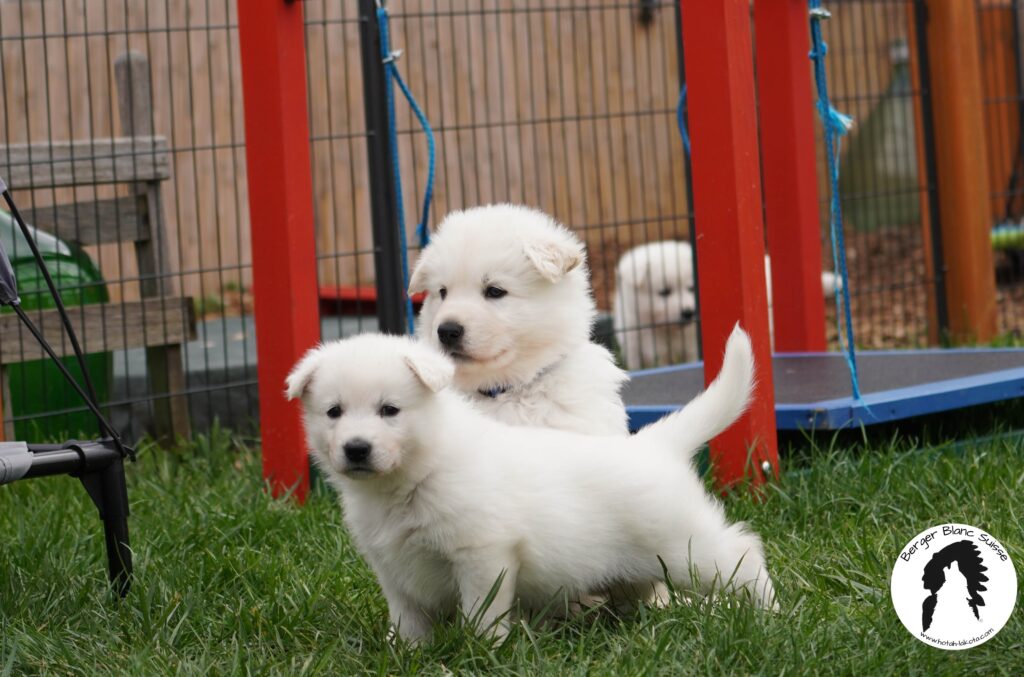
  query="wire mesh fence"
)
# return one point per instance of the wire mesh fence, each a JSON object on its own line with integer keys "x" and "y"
{"x": 569, "y": 107}
{"x": 122, "y": 137}
{"x": 879, "y": 72}
{"x": 874, "y": 69}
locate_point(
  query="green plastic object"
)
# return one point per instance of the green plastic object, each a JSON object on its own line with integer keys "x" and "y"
{"x": 1008, "y": 236}
{"x": 37, "y": 386}
{"x": 878, "y": 173}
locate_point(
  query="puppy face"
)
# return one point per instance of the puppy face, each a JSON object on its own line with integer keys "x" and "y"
{"x": 658, "y": 279}
{"x": 362, "y": 399}
{"x": 507, "y": 293}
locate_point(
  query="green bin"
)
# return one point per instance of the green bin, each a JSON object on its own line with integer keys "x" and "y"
{"x": 37, "y": 386}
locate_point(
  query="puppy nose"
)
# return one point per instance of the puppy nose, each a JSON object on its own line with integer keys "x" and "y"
{"x": 450, "y": 333}
{"x": 357, "y": 450}
{"x": 687, "y": 315}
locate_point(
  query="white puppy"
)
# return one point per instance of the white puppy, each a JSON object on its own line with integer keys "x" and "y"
{"x": 444, "y": 501}
{"x": 655, "y": 304}
{"x": 509, "y": 300}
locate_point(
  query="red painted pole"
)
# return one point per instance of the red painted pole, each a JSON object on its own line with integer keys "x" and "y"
{"x": 786, "y": 109}
{"x": 273, "y": 57}
{"x": 727, "y": 210}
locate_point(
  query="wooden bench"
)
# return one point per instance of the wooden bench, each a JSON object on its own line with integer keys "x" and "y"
{"x": 161, "y": 321}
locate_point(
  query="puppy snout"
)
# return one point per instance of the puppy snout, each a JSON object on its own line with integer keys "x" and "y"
{"x": 450, "y": 333}
{"x": 357, "y": 450}
{"x": 687, "y": 315}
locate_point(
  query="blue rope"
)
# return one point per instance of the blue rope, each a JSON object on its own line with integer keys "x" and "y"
{"x": 681, "y": 119}
{"x": 391, "y": 75}
{"x": 835, "y": 126}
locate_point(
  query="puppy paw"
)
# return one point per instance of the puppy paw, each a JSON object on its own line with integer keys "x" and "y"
{"x": 660, "y": 597}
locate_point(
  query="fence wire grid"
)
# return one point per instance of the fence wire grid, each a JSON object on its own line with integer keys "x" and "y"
{"x": 121, "y": 134}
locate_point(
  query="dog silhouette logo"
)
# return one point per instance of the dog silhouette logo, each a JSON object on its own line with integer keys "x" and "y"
{"x": 954, "y": 586}
{"x": 958, "y": 572}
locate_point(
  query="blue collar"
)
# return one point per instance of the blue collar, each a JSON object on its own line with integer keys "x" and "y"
{"x": 495, "y": 391}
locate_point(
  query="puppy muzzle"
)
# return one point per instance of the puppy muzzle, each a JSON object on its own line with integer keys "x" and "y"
{"x": 450, "y": 334}
{"x": 357, "y": 462}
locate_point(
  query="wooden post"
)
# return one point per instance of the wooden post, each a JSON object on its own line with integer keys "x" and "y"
{"x": 962, "y": 167}
{"x": 727, "y": 211}
{"x": 790, "y": 175}
{"x": 164, "y": 364}
{"x": 273, "y": 57}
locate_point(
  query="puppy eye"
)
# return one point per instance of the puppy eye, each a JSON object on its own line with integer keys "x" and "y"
{"x": 387, "y": 411}
{"x": 443, "y": 293}
{"x": 334, "y": 412}
{"x": 494, "y": 292}
{"x": 664, "y": 293}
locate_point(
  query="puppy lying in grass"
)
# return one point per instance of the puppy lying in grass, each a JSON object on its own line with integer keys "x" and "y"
{"x": 458, "y": 512}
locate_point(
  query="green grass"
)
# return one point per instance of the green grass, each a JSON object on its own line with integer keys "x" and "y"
{"x": 232, "y": 582}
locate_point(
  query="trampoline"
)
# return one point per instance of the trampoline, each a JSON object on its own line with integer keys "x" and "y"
{"x": 812, "y": 390}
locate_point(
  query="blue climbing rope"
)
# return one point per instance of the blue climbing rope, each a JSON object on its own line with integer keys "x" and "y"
{"x": 391, "y": 75}
{"x": 836, "y": 125}
{"x": 681, "y": 119}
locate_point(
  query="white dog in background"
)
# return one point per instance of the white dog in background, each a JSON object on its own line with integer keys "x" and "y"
{"x": 655, "y": 304}
{"x": 448, "y": 504}
{"x": 509, "y": 300}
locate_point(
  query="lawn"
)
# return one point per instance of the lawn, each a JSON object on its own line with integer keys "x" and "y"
{"x": 232, "y": 582}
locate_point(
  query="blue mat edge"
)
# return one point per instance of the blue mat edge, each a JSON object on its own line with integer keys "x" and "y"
{"x": 879, "y": 407}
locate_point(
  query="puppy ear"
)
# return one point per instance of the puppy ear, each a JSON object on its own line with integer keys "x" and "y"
{"x": 433, "y": 369}
{"x": 633, "y": 270}
{"x": 555, "y": 256}
{"x": 418, "y": 279}
{"x": 302, "y": 373}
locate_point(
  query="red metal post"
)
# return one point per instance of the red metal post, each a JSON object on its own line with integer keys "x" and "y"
{"x": 273, "y": 57}
{"x": 785, "y": 106}
{"x": 727, "y": 210}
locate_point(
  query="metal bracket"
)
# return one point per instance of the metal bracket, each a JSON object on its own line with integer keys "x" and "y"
{"x": 821, "y": 14}
{"x": 93, "y": 484}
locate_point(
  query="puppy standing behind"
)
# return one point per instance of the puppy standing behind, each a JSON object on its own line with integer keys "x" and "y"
{"x": 509, "y": 301}
{"x": 655, "y": 305}
{"x": 443, "y": 501}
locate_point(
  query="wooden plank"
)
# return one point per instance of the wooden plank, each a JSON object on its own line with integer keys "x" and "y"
{"x": 167, "y": 383}
{"x": 85, "y": 162}
{"x": 102, "y": 327}
{"x": 164, "y": 364}
{"x": 89, "y": 223}
{"x": 135, "y": 110}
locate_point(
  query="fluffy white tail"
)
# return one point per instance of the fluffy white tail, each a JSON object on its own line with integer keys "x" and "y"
{"x": 716, "y": 408}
